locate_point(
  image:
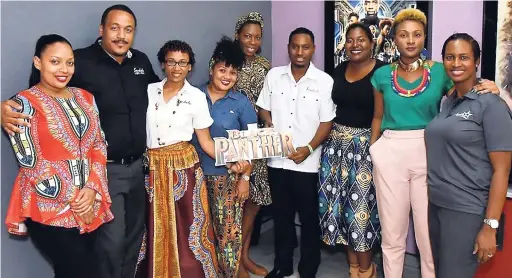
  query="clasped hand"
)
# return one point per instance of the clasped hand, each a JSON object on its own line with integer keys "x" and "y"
{"x": 83, "y": 205}
{"x": 299, "y": 155}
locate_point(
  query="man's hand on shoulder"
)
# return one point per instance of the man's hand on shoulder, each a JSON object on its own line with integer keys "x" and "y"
{"x": 11, "y": 120}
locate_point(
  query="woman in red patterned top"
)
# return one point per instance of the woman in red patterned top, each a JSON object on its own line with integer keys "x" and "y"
{"x": 60, "y": 194}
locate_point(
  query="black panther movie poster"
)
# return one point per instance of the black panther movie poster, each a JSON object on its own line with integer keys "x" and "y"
{"x": 378, "y": 15}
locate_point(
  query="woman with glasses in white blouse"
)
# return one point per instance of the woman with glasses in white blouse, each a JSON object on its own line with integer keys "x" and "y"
{"x": 180, "y": 233}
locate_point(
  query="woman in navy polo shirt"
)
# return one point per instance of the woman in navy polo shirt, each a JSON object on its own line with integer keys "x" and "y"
{"x": 468, "y": 159}
{"x": 227, "y": 192}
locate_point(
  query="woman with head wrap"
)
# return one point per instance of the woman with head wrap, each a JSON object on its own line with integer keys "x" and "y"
{"x": 227, "y": 192}
{"x": 248, "y": 34}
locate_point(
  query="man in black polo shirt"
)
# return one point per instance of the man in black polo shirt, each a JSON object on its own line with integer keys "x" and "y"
{"x": 117, "y": 76}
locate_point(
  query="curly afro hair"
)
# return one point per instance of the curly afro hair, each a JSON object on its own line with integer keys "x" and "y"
{"x": 229, "y": 52}
{"x": 176, "y": 46}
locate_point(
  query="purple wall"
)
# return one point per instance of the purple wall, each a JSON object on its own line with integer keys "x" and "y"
{"x": 288, "y": 15}
{"x": 447, "y": 18}
{"x": 452, "y": 17}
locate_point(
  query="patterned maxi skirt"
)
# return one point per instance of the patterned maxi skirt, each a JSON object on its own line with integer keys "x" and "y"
{"x": 227, "y": 213}
{"x": 348, "y": 208}
{"x": 180, "y": 235}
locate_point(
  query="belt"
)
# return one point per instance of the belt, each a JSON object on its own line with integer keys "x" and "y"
{"x": 124, "y": 161}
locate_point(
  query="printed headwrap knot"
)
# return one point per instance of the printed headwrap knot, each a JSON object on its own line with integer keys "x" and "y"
{"x": 252, "y": 16}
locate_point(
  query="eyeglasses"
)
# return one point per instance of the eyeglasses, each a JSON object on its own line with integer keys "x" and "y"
{"x": 172, "y": 63}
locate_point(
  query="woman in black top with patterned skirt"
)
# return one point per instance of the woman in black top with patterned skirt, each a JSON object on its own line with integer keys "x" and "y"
{"x": 348, "y": 208}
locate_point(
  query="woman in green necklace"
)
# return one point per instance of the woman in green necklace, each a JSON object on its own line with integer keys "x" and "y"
{"x": 407, "y": 96}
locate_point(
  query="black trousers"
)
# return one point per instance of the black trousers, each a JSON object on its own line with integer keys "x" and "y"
{"x": 452, "y": 237}
{"x": 295, "y": 192}
{"x": 71, "y": 254}
{"x": 118, "y": 242}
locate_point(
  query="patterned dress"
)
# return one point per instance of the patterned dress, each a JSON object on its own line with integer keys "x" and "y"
{"x": 250, "y": 82}
{"x": 61, "y": 152}
{"x": 348, "y": 203}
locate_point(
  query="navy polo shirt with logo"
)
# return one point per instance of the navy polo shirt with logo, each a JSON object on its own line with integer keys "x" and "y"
{"x": 458, "y": 142}
{"x": 120, "y": 92}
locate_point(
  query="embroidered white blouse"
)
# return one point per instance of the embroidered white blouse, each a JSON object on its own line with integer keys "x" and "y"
{"x": 175, "y": 121}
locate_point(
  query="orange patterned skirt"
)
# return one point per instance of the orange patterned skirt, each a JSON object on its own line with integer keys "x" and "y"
{"x": 180, "y": 233}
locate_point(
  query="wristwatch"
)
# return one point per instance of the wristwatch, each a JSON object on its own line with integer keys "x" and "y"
{"x": 492, "y": 222}
{"x": 245, "y": 177}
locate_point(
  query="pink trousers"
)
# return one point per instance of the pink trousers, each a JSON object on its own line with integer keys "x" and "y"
{"x": 400, "y": 176}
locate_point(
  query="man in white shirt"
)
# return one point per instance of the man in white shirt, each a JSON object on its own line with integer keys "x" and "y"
{"x": 297, "y": 99}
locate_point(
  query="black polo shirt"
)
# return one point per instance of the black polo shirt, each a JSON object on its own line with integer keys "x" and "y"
{"x": 120, "y": 92}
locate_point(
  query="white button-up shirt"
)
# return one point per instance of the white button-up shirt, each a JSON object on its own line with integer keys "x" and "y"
{"x": 175, "y": 121}
{"x": 298, "y": 108}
